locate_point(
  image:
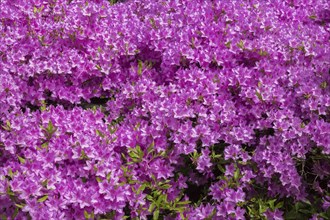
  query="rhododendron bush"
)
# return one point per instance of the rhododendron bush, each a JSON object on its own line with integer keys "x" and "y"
{"x": 165, "y": 109}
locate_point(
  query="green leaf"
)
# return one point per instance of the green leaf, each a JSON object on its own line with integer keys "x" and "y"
{"x": 133, "y": 155}
{"x": 43, "y": 106}
{"x": 10, "y": 173}
{"x": 161, "y": 199}
{"x": 195, "y": 155}
{"x": 307, "y": 202}
{"x": 49, "y": 131}
{"x": 42, "y": 199}
{"x": 141, "y": 188}
{"x": 258, "y": 94}
{"x": 109, "y": 176}
{"x": 45, "y": 145}
{"x": 326, "y": 214}
{"x": 241, "y": 44}
{"x": 20, "y": 205}
{"x": 271, "y": 204}
{"x": 10, "y": 192}
{"x": 139, "y": 151}
{"x": 184, "y": 202}
{"x": 299, "y": 205}
{"x": 262, "y": 52}
{"x": 114, "y": 139}
{"x": 153, "y": 23}
{"x": 155, "y": 215}
{"x": 122, "y": 183}
{"x": 221, "y": 168}
{"x": 313, "y": 17}
{"x": 210, "y": 217}
{"x": 324, "y": 85}
{"x": 50, "y": 127}
{"x": 7, "y": 127}
{"x": 228, "y": 44}
{"x": 151, "y": 207}
{"x": 21, "y": 160}
{"x": 140, "y": 65}
{"x": 84, "y": 179}
{"x": 99, "y": 133}
{"x": 262, "y": 208}
{"x": 136, "y": 154}
{"x": 15, "y": 213}
{"x": 112, "y": 129}
{"x": 178, "y": 209}
{"x": 237, "y": 174}
{"x": 293, "y": 215}
{"x": 153, "y": 177}
{"x": 150, "y": 198}
{"x": 98, "y": 179}
{"x": 165, "y": 186}
{"x": 279, "y": 205}
{"x": 44, "y": 183}
{"x": 151, "y": 147}
{"x": 83, "y": 155}
{"x": 86, "y": 214}
{"x": 306, "y": 211}
{"x": 182, "y": 216}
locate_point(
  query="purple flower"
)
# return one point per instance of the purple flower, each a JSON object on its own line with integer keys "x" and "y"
{"x": 101, "y": 106}
{"x": 276, "y": 215}
{"x": 235, "y": 196}
{"x": 204, "y": 161}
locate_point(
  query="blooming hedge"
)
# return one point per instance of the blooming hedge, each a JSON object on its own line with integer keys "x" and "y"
{"x": 165, "y": 109}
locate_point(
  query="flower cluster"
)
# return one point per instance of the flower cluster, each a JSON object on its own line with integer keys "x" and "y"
{"x": 164, "y": 109}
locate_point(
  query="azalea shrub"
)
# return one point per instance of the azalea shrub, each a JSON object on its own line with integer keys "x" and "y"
{"x": 175, "y": 109}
